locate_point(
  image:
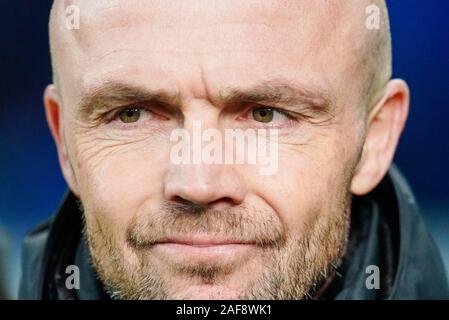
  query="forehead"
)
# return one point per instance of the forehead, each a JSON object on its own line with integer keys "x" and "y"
{"x": 184, "y": 43}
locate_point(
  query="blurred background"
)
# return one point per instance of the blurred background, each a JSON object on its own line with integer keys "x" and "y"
{"x": 31, "y": 184}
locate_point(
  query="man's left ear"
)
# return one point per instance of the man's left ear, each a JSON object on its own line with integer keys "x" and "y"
{"x": 385, "y": 124}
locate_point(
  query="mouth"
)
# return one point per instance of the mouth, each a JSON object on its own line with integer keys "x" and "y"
{"x": 203, "y": 241}
{"x": 203, "y": 249}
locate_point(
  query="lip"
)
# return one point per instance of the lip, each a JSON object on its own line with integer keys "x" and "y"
{"x": 202, "y": 241}
{"x": 202, "y": 249}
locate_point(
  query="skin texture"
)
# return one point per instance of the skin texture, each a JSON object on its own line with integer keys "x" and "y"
{"x": 339, "y": 140}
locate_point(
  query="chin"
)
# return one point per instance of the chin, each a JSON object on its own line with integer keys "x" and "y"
{"x": 208, "y": 292}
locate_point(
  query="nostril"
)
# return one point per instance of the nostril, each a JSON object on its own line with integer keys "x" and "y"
{"x": 178, "y": 199}
{"x": 226, "y": 200}
{"x": 181, "y": 200}
{"x": 222, "y": 203}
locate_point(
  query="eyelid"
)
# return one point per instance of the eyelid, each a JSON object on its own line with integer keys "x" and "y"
{"x": 111, "y": 115}
{"x": 284, "y": 112}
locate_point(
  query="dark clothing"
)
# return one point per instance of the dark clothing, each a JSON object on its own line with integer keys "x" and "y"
{"x": 386, "y": 231}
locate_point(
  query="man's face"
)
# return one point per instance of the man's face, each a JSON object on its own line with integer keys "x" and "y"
{"x": 137, "y": 70}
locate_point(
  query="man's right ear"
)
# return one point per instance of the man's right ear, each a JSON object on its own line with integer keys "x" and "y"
{"x": 54, "y": 115}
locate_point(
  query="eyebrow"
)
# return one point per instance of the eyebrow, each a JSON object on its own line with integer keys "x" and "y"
{"x": 118, "y": 94}
{"x": 274, "y": 92}
{"x": 277, "y": 92}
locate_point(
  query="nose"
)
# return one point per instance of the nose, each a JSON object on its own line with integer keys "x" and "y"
{"x": 212, "y": 185}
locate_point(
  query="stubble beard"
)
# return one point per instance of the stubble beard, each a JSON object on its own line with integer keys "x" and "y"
{"x": 293, "y": 268}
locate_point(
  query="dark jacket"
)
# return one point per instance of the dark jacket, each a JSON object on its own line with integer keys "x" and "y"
{"x": 386, "y": 231}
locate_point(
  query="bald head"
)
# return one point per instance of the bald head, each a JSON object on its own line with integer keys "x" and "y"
{"x": 368, "y": 50}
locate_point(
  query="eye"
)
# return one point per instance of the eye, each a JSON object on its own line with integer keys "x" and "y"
{"x": 264, "y": 115}
{"x": 134, "y": 115}
{"x": 269, "y": 115}
{"x": 129, "y": 115}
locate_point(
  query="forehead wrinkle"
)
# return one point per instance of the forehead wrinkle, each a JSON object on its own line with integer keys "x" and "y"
{"x": 118, "y": 93}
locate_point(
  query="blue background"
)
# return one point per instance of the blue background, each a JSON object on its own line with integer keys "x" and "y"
{"x": 31, "y": 184}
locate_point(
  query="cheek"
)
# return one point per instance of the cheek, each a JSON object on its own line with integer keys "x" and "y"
{"x": 309, "y": 182}
{"x": 116, "y": 182}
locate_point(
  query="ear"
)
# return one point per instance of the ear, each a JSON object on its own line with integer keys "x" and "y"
{"x": 385, "y": 124}
{"x": 54, "y": 115}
